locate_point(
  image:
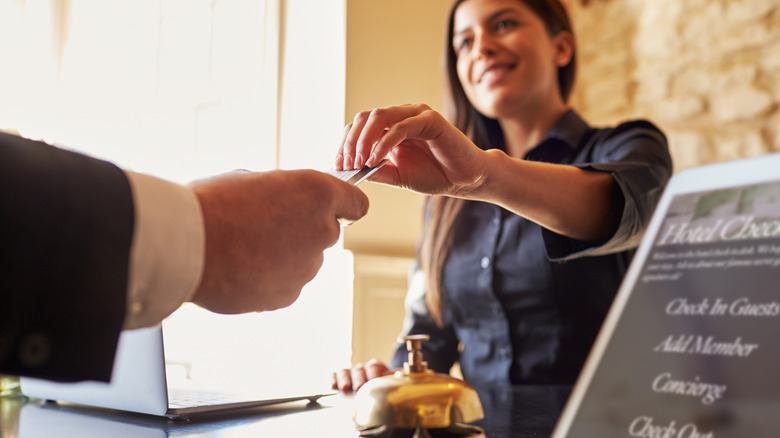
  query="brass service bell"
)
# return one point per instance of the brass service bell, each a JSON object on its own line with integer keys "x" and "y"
{"x": 417, "y": 399}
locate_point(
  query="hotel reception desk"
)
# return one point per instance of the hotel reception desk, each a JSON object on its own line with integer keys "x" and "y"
{"x": 522, "y": 411}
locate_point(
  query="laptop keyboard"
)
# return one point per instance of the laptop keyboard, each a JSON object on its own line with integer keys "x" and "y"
{"x": 178, "y": 398}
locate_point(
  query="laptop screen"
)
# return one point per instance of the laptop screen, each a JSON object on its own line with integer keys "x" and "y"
{"x": 689, "y": 348}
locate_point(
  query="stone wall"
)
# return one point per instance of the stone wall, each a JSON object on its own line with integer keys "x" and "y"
{"x": 706, "y": 71}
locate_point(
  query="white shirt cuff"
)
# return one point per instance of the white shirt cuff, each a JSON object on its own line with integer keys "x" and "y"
{"x": 167, "y": 253}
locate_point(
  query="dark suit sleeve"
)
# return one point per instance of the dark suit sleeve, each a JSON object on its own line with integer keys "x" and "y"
{"x": 66, "y": 225}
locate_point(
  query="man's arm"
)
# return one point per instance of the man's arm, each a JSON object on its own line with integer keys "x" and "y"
{"x": 66, "y": 225}
{"x": 234, "y": 243}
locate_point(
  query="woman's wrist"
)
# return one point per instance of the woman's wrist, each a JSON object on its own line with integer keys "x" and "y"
{"x": 485, "y": 186}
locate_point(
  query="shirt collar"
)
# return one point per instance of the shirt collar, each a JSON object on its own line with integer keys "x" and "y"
{"x": 569, "y": 129}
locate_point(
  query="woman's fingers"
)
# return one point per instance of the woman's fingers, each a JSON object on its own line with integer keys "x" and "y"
{"x": 366, "y": 129}
{"x": 358, "y": 376}
{"x": 342, "y": 380}
{"x": 347, "y": 380}
{"x": 339, "y": 164}
{"x": 375, "y": 368}
{"x": 379, "y": 122}
{"x": 350, "y": 146}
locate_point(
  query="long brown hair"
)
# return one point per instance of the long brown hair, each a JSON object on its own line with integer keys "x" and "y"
{"x": 442, "y": 212}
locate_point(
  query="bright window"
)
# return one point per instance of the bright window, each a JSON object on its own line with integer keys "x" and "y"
{"x": 175, "y": 88}
{"x": 184, "y": 89}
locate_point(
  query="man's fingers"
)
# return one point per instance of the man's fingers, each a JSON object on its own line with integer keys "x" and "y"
{"x": 351, "y": 203}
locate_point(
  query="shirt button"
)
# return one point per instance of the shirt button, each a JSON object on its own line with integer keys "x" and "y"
{"x": 485, "y": 262}
{"x": 503, "y": 353}
{"x": 34, "y": 350}
{"x": 5, "y": 345}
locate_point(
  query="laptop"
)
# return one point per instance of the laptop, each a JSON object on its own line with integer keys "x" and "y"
{"x": 227, "y": 362}
{"x": 46, "y": 420}
{"x": 140, "y": 384}
{"x": 689, "y": 348}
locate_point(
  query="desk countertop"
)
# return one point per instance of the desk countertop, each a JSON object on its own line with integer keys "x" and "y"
{"x": 521, "y": 411}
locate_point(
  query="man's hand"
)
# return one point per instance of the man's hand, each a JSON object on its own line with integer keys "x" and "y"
{"x": 266, "y": 233}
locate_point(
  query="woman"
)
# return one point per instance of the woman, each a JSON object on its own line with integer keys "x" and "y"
{"x": 533, "y": 216}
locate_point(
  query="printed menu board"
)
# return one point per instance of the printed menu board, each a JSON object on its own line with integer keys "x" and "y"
{"x": 696, "y": 350}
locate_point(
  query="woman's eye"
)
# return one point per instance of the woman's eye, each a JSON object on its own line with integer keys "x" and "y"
{"x": 463, "y": 44}
{"x": 505, "y": 24}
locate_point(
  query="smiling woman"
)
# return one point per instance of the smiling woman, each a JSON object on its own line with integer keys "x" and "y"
{"x": 518, "y": 182}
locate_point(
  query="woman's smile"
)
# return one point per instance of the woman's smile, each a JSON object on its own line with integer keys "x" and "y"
{"x": 494, "y": 72}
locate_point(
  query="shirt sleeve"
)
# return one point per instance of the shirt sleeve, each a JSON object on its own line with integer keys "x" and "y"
{"x": 168, "y": 249}
{"x": 637, "y": 156}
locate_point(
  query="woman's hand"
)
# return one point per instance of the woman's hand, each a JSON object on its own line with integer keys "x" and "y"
{"x": 348, "y": 380}
{"x": 427, "y": 154}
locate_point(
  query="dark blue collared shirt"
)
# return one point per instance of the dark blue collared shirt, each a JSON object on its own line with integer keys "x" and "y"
{"x": 523, "y": 304}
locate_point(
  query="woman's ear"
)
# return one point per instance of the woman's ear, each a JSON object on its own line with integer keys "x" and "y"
{"x": 564, "y": 48}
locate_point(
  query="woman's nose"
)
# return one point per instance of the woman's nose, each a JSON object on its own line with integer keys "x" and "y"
{"x": 484, "y": 44}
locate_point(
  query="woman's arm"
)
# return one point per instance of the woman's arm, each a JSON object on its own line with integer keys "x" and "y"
{"x": 431, "y": 156}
